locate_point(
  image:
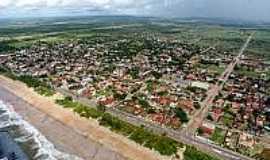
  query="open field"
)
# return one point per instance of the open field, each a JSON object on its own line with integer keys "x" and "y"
{"x": 18, "y": 34}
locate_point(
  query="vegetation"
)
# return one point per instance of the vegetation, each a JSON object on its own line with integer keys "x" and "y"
{"x": 200, "y": 131}
{"x": 163, "y": 145}
{"x": 82, "y": 110}
{"x": 246, "y": 71}
{"x": 7, "y": 73}
{"x": 180, "y": 113}
{"x": 218, "y": 136}
{"x": 134, "y": 72}
{"x": 160, "y": 143}
{"x": 211, "y": 67}
{"x": 40, "y": 87}
{"x": 45, "y": 91}
{"x": 227, "y": 119}
{"x": 4, "y": 46}
{"x": 260, "y": 46}
{"x": 203, "y": 36}
{"x": 192, "y": 153}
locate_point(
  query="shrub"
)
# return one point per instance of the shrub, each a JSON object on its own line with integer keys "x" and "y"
{"x": 164, "y": 145}
{"x": 180, "y": 113}
{"x": 192, "y": 153}
{"x": 41, "y": 87}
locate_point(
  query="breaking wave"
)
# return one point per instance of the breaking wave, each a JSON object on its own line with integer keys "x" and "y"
{"x": 36, "y": 146}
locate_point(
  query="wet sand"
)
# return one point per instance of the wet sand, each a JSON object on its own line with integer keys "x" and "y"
{"x": 64, "y": 138}
{"x": 69, "y": 132}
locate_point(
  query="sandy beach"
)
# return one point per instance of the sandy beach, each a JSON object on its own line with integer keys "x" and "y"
{"x": 69, "y": 132}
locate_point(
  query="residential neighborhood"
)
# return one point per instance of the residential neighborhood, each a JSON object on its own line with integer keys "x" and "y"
{"x": 239, "y": 117}
{"x": 161, "y": 81}
{"x": 165, "y": 88}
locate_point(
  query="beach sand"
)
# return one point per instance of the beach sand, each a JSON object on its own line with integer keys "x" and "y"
{"x": 69, "y": 132}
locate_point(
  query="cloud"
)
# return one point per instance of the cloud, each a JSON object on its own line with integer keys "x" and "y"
{"x": 21, "y": 4}
{"x": 243, "y": 9}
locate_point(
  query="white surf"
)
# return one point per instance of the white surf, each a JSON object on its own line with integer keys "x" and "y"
{"x": 40, "y": 146}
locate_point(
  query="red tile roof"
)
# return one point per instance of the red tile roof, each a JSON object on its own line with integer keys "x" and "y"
{"x": 107, "y": 101}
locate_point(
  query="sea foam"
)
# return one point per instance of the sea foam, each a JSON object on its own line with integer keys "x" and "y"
{"x": 42, "y": 148}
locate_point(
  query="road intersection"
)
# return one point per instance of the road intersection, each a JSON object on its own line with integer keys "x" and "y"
{"x": 185, "y": 135}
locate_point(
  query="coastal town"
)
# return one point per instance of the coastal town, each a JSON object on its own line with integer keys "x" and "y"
{"x": 239, "y": 116}
{"x": 138, "y": 87}
{"x": 163, "y": 81}
{"x": 163, "y": 85}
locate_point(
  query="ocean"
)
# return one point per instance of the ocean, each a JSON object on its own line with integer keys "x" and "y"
{"x": 26, "y": 137}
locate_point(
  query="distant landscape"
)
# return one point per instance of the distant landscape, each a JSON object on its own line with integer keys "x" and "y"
{"x": 196, "y": 85}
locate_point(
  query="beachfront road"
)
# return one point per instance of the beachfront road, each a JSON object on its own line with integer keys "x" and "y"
{"x": 178, "y": 135}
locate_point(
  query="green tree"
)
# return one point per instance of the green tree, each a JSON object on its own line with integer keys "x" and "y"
{"x": 101, "y": 108}
{"x": 180, "y": 113}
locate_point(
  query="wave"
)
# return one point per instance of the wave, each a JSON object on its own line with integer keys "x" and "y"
{"x": 38, "y": 147}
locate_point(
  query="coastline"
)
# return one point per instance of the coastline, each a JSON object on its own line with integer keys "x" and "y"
{"x": 69, "y": 132}
{"x": 23, "y": 141}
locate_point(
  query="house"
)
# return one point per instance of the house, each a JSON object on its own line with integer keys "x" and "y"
{"x": 164, "y": 101}
{"x": 246, "y": 140}
{"x": 158, "y": 117}
{"x": 201, "y": 85}
{"x": 216, "y": 113}
{"x": 174, "y": 122}
{"x": 106, "y": 101}
{"x": 231, "y": 140}
{"x": 186, "y": 105}
{"x": 220, "y": 102}
{"x": 208, "y": 128}
{"x": 191, "y": 77}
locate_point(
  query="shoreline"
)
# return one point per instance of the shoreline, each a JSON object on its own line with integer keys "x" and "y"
{"x": 82, "y": 137}
{"x": 25, "y": 138}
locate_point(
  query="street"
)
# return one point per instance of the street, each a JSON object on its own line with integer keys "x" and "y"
{"x": 215, "y": 90}
{"x": 186, "y": 135}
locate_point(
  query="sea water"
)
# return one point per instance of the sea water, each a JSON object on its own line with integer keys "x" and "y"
{"x": 30, "y": 140}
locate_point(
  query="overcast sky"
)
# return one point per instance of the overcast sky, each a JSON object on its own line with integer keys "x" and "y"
{"x": 237, "y": 9}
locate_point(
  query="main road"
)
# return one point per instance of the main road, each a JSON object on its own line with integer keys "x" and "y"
{"x": 178, "y": 135}
{"x": 215, "y": 90}
{"x": 183, "y": 136}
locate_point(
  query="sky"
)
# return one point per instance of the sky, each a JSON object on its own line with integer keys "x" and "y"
{"x": 254, "y": 10}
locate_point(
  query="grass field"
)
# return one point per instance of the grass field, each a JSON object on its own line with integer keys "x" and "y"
{"x": 14, "y": 36}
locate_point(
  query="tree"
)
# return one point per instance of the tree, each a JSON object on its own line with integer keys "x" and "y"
{"x": 157, "y": 75}
{"x": 149, "y": 86}
{"x": 210, "y": 118}
{"x": 200, "y": 131}
{"x": 134, "y": 72}
{"x": 197, "y": 105}
{"x": 111, "y": 68}
{"x": 119, "y": 96}
{"x": 68, "y": 98}
{"x": 101, "y": 108}
{"x": 180, "y": 113}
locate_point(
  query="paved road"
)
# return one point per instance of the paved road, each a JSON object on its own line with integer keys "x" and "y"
{"x": 64, "y": 137}
{"x": 215, "y": 90}
{"x": 178, "y": 135}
